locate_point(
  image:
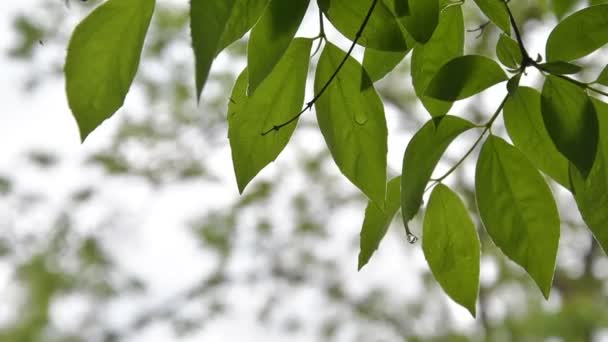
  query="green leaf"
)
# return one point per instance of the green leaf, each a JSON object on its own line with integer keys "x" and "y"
{"x": 579, "y": 34}
{"x": 271, "y": 36}
{"x": 451, "y": 246}
{"x": 279, "y": 97}
{"x": 603, "y": 77}
{"x": 560, "y": 68}
{"x": 422, "y": 20}
{"x": 102, "y": 60}
{"x": 379, "y": 63}
{"x": 377, "y": 220}
{"x": 216, "y": 24}
{"x": 351, "y": 117}
{"x": 422, "y": 155}
{"x": 496, "y": 11}
{"x": 561, "y": 7}
{"x": 508, "y": 52}
{"x": 591, "y": 194}
{"x": 400, "y": 8}
{"x": 571, "y": 121}
{"x": 465, "y": 76}
{"x": 524, "y": 123}
{"x": 446, "y": 43}
{"x": 382, "y": 31}
{"x": 518, "y": 210}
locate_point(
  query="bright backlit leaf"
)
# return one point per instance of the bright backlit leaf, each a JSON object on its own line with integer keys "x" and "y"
{"x": 496, "y": 11}
{"x": 451, "y": 246}
{"x": 571, "y": 121}
{"x": 377, "y": 220}
{"x": 279, "y": 97}
{"x": 465, "y": 76}
{"x": 446, "y": 43}
{"x": 216, "y": 24}
{"x": 579, "y": 34}
{"x": 382, "y": 31}
{"x": 379, "y": 63}
{"x": 518, "y": 210}
{"x": 103, "y": 58}
{"x": 524, "y": 123}
{"x": 351, "y": 117}
{"x": 422, "y": 155}
{"x": 271, "y": 36}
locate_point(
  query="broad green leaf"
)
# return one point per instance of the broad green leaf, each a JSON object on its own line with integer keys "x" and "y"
{"x": 524, "y": 123}
{"x": 102, "y": 60}
{"x": 216, "y": 24}
{"x": 496, "y": 11}
{"x": 560, "y": 68}
{"x": 451, "y": 246}
{"x": 603, "y": 77}
{"x": 571, "y": 121}
{"x": 279, "y": 97}
{"x": 351, "y": 117}
{"x": 446, "y": 43}
{"x": 400, "y": 8}
{"x": 271, "y": 36}
{"x": 422, "y": 20}
{"x": 465, "y": 76}
{"x": 592, "y": 193}
{"x": 508, "y": 52}
{"x": 382, "y": 31}
{"x": 518, "y": 210}
{"x": 579, "y": 34}
{"x": 379, "y": 63}
{"x": 422, "y": 155}
{"x": 377, "y": 220}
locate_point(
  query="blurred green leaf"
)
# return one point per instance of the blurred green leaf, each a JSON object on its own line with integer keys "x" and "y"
{"x": 496, "y": 11}
{"x": 508, "y": 52}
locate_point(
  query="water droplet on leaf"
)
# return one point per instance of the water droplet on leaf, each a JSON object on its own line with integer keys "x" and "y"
{"x": 360, "y": 118}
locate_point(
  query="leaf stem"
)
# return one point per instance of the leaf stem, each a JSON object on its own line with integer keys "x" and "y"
{"x": 310, "y": 103}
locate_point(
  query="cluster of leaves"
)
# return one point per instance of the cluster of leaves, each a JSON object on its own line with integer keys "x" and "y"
{"x": 559, "y": 131}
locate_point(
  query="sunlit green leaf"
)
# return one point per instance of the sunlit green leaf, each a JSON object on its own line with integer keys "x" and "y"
{"x": 518, "y": 210}
{"x": 592, "y": 193}
{"x": 446, "y": 43}
{"x": 271, "y": 36}
{"x": 451, "y": 246}
{"x": 102, "y": 60}
{"x": 422, "y": 155}
{"x": 496, "y": 11}
{"x": 508, "y": 52}
{"x": 216, "y": 24}
{"x": 382, "y": 31}
{"x": 603, "y": 77}
{"x": 465, "y": 76}
{"x": 571, "y": 121}
{"x": 377, "y": 220}
{"x": 524, "y": 122}
{"x": 560, "y": 68}
{"x": 400, "y": 8}
{"x": 379, "y": 63}
{"x": 579, "y": 34}
{"x": 279, "y": 97}
{"x": 422, "y": 19}
{"x": 351, "y": 117}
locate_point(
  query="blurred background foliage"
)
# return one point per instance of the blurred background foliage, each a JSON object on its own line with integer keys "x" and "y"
{"x": 285, "y": 250}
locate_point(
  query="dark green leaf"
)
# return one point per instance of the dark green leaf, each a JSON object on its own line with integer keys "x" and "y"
{"x": 216, "y": 24}
{"x": 571, "y": 121}
{"x": 508, "y": 52}
{"x": 102, "y": 60}
{"x": 560, "y": 68}
{"x": 603, "y": 77}
{"x": 451, "y": 246}
{"x": 382, "y": 31}
{"x": 400, "y": 8}
{"x": 351, "y": 117}
{"x": 592, "y": 193}
{"x": 422, "y": 155}
{"x": 524, "y": 122}
{"x": 446, "y": 43}
{"x": 496, "y": 11}
{"x": 465, "y": 76}
{"x": 377, "y": 220}
{"x": 379, "y": 63}
{"x": 579, "y": 34}
{"x": 279, "y": 97}
{"x": 422, "y": 20}
{"x": 271, "y": 36}
{"x": 518, "y": 210}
